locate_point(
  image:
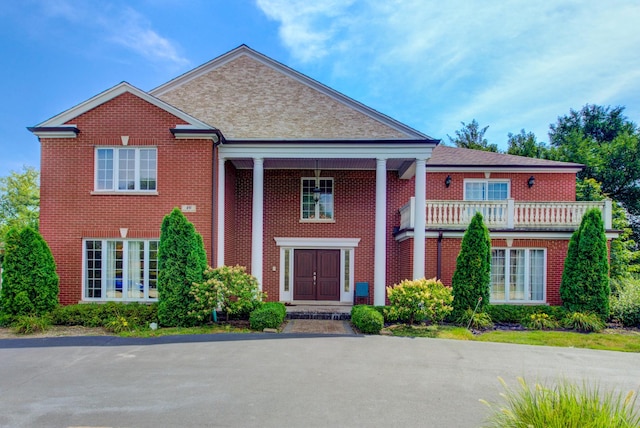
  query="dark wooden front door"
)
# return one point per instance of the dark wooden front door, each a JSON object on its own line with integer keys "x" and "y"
{"x": 316, "y": 275}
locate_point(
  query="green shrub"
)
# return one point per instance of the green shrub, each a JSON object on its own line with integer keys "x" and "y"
{"x": 563, "y": 405}
{"x": 103, "y": 315}
{"x": 238, "y": 292}
{"x": 29, "y": 324}
{"x": 583, "y": 321}
{"x": 471, "y": 278}
{"x": 268, "y": 315}
{"x": 520, "y": 313}
{"x": 585, "y": 279}
{"x": 420, "y": 300}
{"x": 367, "y": 319}
{"x": 181, "y": 262}
{"x": 6, "y": 320}
{"x": 625, "y": 305}
{"x": 540, "y": 321}
{"x": 206, "y": 297}
{"x": 477, "y": 321}
{"x": 29, "y": 278}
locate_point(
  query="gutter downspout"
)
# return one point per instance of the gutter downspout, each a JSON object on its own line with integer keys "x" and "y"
{"x": 439, "y": 256}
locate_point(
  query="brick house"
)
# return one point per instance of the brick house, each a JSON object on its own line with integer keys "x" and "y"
{"x": 310, "y": 190}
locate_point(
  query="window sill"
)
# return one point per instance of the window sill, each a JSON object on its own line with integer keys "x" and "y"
{"x": 123, "y": 192}
{"x": 314, "y": 220}
{"x": 105, "y": 300}
{"x": 519, "y": 302}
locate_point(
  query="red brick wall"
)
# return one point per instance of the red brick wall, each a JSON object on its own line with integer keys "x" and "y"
{"x": 556, "y": 253}
{"x": 354, "y": 218}
{"x": 69, "y": 212}
{"x": 547, "y": 187}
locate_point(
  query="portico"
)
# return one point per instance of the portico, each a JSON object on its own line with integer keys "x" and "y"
{"x": 405, "y": 157}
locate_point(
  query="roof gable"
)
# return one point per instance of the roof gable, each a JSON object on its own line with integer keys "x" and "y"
{"x": 61, "y": 120}
{"x": 251, "y": 96}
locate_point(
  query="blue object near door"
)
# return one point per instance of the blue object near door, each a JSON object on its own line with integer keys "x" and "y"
{"x": 362, "y": 292}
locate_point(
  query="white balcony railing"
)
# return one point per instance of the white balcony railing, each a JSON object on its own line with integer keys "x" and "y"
{"x": 505, "y": 214}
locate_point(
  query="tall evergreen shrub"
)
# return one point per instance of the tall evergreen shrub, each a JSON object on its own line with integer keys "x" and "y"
{"x": 181, "y": 261}
{"x": 29, "y": 278}
{"x": 472, "y": 277}
{"x": 585, "y": 280}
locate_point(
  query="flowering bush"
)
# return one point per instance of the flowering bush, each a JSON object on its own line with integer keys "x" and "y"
{"x": 231, "y": 288}
{"x": 419, "y": 300}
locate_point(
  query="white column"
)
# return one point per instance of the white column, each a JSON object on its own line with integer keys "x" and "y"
{"x": 220, "y": 214}
{"x": 420, "y": 220}
{"x": 380, "y": 257}
{"x": 257, "y": 225}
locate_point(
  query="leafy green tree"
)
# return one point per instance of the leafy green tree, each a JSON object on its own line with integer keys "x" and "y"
{"x": 624, "y": 260}
{"x": 472, "y": 276}
{"x": 471, "y": 136}
{"x": 182, "y": 261}
{"x": 29, "y": 278}
{"x": 525, "y": 144}
{"x": 585, "y": 279}
{"x": 19, "y": 200}
{"x": 603, "y": 139}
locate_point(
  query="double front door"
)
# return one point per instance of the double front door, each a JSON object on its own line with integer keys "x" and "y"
{"x": 316, "y": 275}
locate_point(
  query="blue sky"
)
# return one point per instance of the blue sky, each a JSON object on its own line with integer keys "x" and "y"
{"x": 430, "y": 64}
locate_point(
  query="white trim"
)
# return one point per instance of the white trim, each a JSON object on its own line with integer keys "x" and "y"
{"x": 111, "y": 93}
{"x": 516, "y": 234}
{"x": 71, "y": 133}
{"x": 291, "y": 244}
{"x": 507, "y": 169}
{"x": 380, "y": 238}
{"x": 244, "y": 50}
{"x": 345, "y": 149}
{"x": 313, "y": 243}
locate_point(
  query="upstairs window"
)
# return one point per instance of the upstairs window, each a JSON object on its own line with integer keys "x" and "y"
{"x": 322, "y": 209}
{"x": 486, "y": 190}
{"x": 126, "y": 169}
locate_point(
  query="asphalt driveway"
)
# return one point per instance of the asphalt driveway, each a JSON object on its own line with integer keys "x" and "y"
{"x": 260, "y": 380}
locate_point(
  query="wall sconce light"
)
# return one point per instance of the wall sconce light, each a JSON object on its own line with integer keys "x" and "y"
{"x": 316, "y": 190}
{"x": 447, "y": 181}
{"x": 531, "y": 181}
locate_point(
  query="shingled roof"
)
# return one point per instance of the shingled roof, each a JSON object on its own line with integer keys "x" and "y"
{"x": 459, "y": 158}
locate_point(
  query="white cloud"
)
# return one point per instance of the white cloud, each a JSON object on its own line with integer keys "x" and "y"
{"x": 113, "y": 24}
{"x": 509, "y": 64}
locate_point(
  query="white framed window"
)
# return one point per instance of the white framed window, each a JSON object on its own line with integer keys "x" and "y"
{"x": 120, "y": 269}
{"x": 486, "y": 190}
{"x": 322, "y": 209}
{"x": 518, "y": 275}
{"x": 126, "y": 169}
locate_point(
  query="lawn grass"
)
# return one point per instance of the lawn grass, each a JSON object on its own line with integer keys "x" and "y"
{"x": 610, "y": 339}
{"x": 173, "y": 331}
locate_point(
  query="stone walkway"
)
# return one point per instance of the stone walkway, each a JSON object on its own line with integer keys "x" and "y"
{"x": 318, "y": 327}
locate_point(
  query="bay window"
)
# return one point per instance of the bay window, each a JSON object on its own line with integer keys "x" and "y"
{"x": 121, "y": 269}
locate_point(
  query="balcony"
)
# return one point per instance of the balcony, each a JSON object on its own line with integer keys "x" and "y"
{"x": 507, "y": 214}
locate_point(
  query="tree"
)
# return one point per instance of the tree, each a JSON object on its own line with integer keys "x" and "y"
{"x": 472, "y": 276}
{"x": 585, "y": 279}
{"x": 29, "y": 279}
{"x": 471, "y": 136}
{"x": 19, "y": 200}
{"x": 608, "y": 144}
{"x": 181, "y": 261}
{"x": 623, "y": 259}
{"x": 525, "y": 144}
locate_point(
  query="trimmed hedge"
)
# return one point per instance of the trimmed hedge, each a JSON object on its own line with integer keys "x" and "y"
{"x": 367, "y": 319}
{"x": 101, "y": 315}
{"x": 518, "y": 314}
{"x": 268, "y": 315}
